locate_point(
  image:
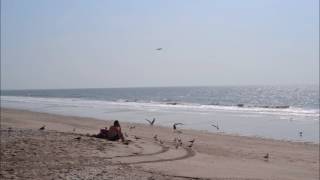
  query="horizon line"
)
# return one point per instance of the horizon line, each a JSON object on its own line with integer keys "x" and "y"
{"x": 178, "y": 86}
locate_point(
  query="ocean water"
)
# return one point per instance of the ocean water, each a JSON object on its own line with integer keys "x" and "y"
{"x": 277, "y": 112}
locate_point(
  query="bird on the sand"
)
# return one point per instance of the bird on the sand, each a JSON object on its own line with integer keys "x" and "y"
{"x": 177, "y": 146}
{"x": 151, "y": 122}
{"x": 192, "y": 141}
{"x": 159, "y": 49}
{"x": 216, "y": 126}
{"x": 136, "y": 137}
{"x": 175, "y": 125}
{"x": 42, "y": 128}
{"x": 78, "y": 138}
{"x": 266, "y": 157}
{"x": 155, "y": 137}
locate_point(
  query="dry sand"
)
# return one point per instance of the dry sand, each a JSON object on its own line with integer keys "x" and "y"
{"x": 29, "y": 153}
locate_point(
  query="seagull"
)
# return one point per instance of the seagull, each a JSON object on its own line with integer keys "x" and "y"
{"x": 192, "y": 141}
{"x": 300, "y": 133}
{"x": 78, "y": 138}
{"x": 42, "y": 128}
{"x": 216, "y": 126}
{"x": 190, "y": 145}
{"x": 177, "y": 145}
{"x": 159, "y": 49}
{"x": 175, "y": 125}
{"x": 266, "y": 157}
{"x": 151, "y": 122}
{"x": 155, "y": 137}
{"x": 136, "y": 137}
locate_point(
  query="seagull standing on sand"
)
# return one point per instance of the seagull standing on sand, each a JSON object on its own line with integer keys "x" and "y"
{"x": 191, "y": 143}
{"x": 266, "y": 157}
{"x": 155, "y": 137}
{"x": 42, "y": 128}
{"x": 151, "y": 122}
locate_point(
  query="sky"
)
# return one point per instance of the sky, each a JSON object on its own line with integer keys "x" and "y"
{"x": 53, "y": 44}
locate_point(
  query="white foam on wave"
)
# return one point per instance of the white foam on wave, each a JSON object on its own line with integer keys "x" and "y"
{"x": 155, "y": 106}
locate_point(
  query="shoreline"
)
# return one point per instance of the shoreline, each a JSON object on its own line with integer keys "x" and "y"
{"x": 214, "y": 155}
{"x": 272, "y": 126}
{"x": 109, "y": 122}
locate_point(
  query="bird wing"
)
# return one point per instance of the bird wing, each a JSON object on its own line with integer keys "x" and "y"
{"x": 215, "y": 126}
{"x": 154, "y": 119}
{"x": 149, "y": 121}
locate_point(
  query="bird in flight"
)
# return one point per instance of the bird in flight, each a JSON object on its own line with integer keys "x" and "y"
{"x": 175, "y": 125}
{"x": 151, "y": 122}
{"x": 215, "y": 125}
{"x": 159, "y": 49}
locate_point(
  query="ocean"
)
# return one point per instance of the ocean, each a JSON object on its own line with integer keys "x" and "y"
{"x": 277, "y": 112}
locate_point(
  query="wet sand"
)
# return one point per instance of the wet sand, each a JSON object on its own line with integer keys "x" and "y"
{"x": 64, "y": 150}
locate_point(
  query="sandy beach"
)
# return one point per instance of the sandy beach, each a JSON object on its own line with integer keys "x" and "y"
{"x": 64, "y": 150}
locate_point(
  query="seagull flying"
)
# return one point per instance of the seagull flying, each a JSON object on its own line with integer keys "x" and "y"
{"x": 216, "y": 126}
{"x": 151, "y": 122}
{"x": 159, "y": 49}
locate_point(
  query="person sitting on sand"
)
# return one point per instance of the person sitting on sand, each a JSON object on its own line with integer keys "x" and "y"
{"x": 114, "y": 132}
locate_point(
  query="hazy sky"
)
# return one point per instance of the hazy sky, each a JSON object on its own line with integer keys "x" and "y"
{"x": 111, "y": 43}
